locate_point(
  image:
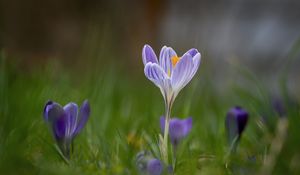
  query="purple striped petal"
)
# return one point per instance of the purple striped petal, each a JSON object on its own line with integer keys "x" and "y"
{"x": 157, "y": 75}
{"x": 84, "y": 114}
{"x": 60, "y": 126}
{"x": 53, "y": 112}
{"x": 47, "y": 108}
{"x": 165, "y": 61}
{"x": 71, "y": 110}
{"x": 148, "y": 55}
{"x": 182, "y": 73}
{"x": 154, "y": 167}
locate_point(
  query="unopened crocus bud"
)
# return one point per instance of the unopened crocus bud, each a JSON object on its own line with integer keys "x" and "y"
{"x": 236, "y": 121}
{"x": 146, "y": 164}
{"x": 279, "y": 107}
{"x": 154, "y": 167}
{"x": 178, "y": 129}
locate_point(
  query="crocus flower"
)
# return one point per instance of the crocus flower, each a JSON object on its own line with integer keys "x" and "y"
{"x": 147, "y": 164}
{"x": 66, "y": 122}
{"x": 154, "y": 167}
{"x": 178, "y": 128}
{"x": 170, "y": 73}
{"x": 279, "y": 107}
{"x": 236, "y": 121}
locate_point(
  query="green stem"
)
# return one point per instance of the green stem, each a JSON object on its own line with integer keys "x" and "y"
{"x": 164, "y": 151}
{"x": 61, "y": 154}
{"x": 174, "y": 151}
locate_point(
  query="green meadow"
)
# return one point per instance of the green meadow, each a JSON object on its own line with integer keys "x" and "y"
{"x": 125, "y": 112}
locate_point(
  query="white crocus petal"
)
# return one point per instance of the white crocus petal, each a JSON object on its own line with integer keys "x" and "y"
{"x": 158, "y": 76}
{"x": 182, "y": 72}
{"x": 196, "y": 62}
{"x": 165, "y": 61}
{"x": 148, "y": 55}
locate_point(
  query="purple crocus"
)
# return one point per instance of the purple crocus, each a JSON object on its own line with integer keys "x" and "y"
{"x": 279, "y": 106}
{"x": 154, "y": 167}
{"x": 178, "y": 128}
{"x": 236, "y": 121}
{"x": 170, "y": 73}
{"x": 66, "y": 122}
{"x": 147, "y": 164}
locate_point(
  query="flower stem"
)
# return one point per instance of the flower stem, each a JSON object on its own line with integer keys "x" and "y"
{"x": 164, "y": 149}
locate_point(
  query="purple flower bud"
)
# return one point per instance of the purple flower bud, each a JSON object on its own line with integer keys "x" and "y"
{"x": 66, "y": 122}
{"x": 279, "y": 106}
{"x": 170, "y": 169}
{"x": 146, "y": 164}
{"x": 236, "y": 121}
{"x": 178, "y": 129}
{"x": 154, "y": 167}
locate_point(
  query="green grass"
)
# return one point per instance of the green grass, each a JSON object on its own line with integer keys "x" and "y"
{"x": 122, "y": 105}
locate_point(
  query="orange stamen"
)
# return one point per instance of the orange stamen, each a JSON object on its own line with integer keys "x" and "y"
{"x": 175, "y": 60}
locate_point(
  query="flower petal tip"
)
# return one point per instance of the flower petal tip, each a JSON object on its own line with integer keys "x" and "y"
{"x": 148, "y": 55}
{"x": 46, "y": 109}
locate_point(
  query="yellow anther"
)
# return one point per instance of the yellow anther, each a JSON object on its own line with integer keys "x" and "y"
{"x": 175, "y": 60}
{"x": 134, "y": 140}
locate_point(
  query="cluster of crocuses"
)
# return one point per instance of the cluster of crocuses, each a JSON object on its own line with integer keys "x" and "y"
{"x": 170, "y": 74}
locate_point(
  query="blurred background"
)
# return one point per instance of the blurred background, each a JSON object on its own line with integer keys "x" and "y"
{"x": 71, "y": 50}
{"x": 258, "y": 33}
